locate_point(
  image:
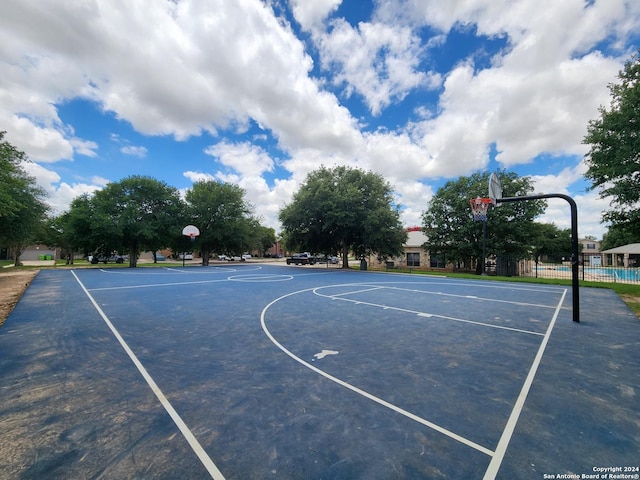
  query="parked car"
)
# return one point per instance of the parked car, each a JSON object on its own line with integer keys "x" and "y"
{"x": 301, "y": 259}
{"x": 160, "y": 257}
{"x": 224, "y": 258}
{"x": 186, "y": 255}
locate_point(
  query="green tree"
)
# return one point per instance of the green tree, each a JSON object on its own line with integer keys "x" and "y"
{"x": 452, "y": 232}
{"x": 79, "y": 226}
{"x": 613, "y": 160}
{"x": 266, "y": 238}
{"x": 22, "y": 206}
{"x": 135, "y": 214}
{"x": 222, "y": 215}
{"x": 341, "y": 210}
{"x": 547, "y": 240}
{"x": 616, "y": 236}
{"x": 57, "y": 234}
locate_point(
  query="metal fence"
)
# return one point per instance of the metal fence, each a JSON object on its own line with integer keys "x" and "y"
{"x": 591, "y": 267}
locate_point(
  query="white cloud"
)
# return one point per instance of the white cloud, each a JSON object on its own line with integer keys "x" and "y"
{"x": 60, "y": 194}
{"x": 311, "y": 15}
{"x": 135, "y": 151}
{"x": 40, "y": 144}
{"x": 99, "y": 181}
{"x": 84, "y": 147}
{"x": 244, "y": 158}
{"x": 380, "y": 63}
{"x": 198, "y": 176}
{"x": 589, "y": 204}
{"x": 413, "y": 200}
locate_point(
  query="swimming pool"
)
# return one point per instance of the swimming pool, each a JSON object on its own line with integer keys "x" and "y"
{"x": 616, "y": 273}
{"x": 604, "y": 274}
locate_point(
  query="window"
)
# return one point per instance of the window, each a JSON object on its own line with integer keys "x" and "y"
{"x": 413, "y": 259}
{"x": 437, "y": 261}
{"x": 591, "y": 246}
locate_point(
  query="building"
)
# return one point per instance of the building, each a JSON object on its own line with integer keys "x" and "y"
{"x": 589, "y": 246}
{"x": 32, "y": 252}
{"x": 414, "y": 255}
{"x": 624, "y": 256}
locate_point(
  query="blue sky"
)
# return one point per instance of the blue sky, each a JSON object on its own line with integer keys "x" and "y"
{"x": 260, "y": 93}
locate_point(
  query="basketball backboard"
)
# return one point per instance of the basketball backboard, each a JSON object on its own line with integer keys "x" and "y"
{"x": 191, "y": 231}
{"x": 495, "y": 189}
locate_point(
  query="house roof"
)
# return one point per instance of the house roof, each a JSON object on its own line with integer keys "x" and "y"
{"x": 415, "y": 239}
{"x": 632, "y": 248}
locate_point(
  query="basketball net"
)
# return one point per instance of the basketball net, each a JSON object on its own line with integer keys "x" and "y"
{"x": 479, "y": 208}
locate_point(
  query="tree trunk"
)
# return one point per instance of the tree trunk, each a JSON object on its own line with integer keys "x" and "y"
{"x": 479, "y": 266}
{"x": 133, "y": 255}
{"x": 205, "y": 257}
{"x": 345, "y": 256}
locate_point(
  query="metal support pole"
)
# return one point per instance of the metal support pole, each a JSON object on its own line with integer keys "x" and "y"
{"x": 484, "y": 244}
{"x": 575, "y": 279}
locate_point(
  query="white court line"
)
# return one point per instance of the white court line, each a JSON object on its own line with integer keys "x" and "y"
{"x": 352, "y": 293}
{"x": 198, "y": 270}
{"x": 419, "y": 313}
{"x": 428, "y": 315}
{"x": 188, "y": 435}
{"x": 475, "y": 297}
{"x": 210, "y": 269}
{"x": 152, "y": 285}
{"x": 501, "y": 449}
{"x": 365, "y": 394}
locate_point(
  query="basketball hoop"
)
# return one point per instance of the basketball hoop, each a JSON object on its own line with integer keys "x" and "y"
{"x": 191, "y": 231}
{"x": 479, "y": 208}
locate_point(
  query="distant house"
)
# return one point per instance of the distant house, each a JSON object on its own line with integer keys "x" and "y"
{"x": 590, "y": 247}
{"x": 414, "y": 255}
{"x": 32, "y": 252}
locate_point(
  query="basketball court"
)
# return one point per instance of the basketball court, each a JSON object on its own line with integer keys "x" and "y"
{"x": 265, "y": 371}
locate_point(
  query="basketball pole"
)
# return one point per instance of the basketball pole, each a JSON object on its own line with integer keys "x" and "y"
{"x": 575, "y": 279}
{"x": 484, "y": 247}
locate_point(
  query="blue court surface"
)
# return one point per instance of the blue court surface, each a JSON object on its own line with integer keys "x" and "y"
{"x": 262, "y": 371}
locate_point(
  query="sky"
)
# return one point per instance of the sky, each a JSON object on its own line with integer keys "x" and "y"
{"x": 260, "y": 93}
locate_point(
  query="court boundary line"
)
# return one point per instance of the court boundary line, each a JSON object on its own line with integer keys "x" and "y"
{"x": 507, "y": 433}
{"x": 188, "y": 435}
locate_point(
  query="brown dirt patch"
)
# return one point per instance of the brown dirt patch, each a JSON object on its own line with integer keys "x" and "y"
{"x": 633, "y": 303}
{"x": 12, "y": 285}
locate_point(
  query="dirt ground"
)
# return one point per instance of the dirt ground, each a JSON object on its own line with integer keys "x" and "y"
{"x": 12, "y": 286}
